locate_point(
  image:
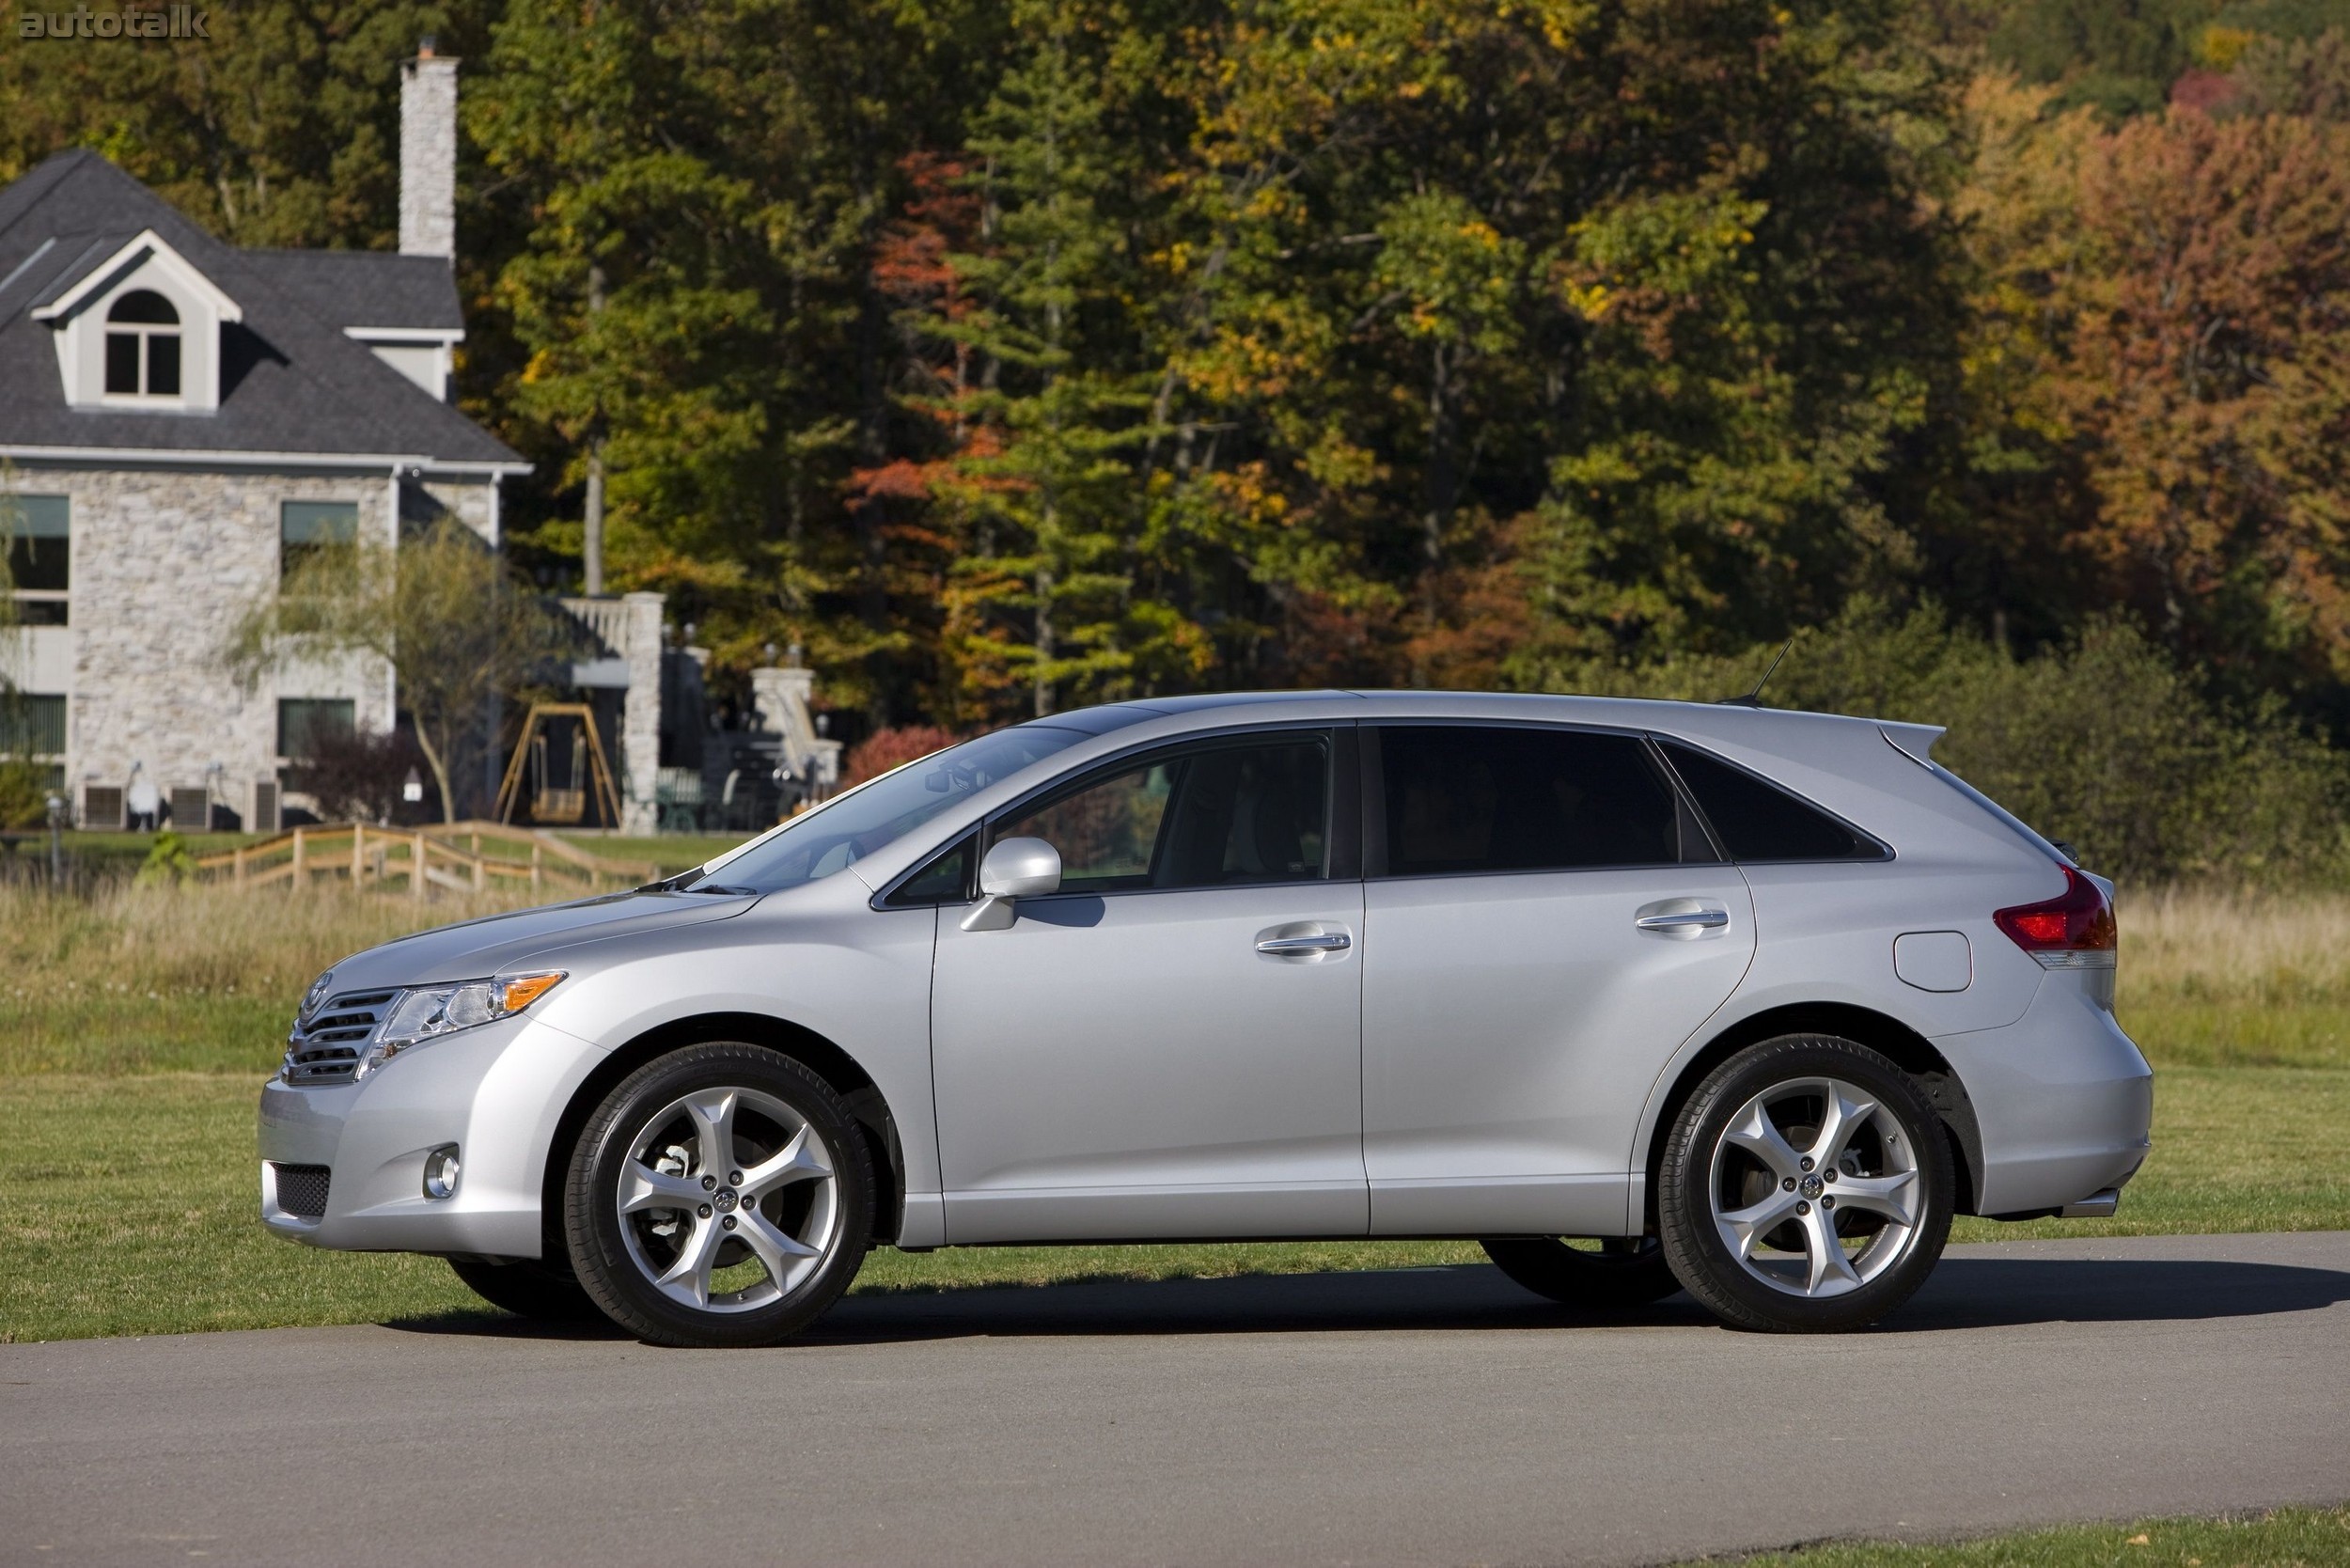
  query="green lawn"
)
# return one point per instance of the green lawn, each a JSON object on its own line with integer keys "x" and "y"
{"x": 2288, "y": 1538}
{"x": 127, "y": 1206}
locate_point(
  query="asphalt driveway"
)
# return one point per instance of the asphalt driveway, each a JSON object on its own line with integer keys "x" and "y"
{"x": 1434, "y": 1416}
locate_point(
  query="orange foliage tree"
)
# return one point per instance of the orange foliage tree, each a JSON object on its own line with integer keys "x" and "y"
{"x": 2166, "y": 311}
{"x": 2210, "y": 371}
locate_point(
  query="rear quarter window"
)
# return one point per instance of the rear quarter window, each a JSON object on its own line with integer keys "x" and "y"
{"x": 1758, "y": 820}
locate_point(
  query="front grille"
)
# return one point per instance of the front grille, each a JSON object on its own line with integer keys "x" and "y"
{"x": 302, "y": 1188}
{"x": 326, "y": 1049}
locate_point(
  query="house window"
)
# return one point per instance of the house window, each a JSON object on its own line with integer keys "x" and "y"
{"x": 38, "y": 535}
{"x": 304, "y": 723}
{"x": 31, "y": 725}
{"x": 143, "y": 346}
{"x": 306, "y": 527}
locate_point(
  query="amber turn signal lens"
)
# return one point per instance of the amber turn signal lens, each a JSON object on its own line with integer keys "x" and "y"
{"x": 523, "y": 990}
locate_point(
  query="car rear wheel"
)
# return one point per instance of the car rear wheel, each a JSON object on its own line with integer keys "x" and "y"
{"x": 1606, "y": 1274}
{"x": 1806, "y": 1187}
{"x": 720, "y": 1196}
{"x": 528, "y": 1289}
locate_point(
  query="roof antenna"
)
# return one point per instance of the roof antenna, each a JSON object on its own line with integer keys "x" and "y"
{"x": 1754, "y": 698}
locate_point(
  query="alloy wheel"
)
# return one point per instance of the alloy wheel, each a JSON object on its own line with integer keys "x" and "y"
{"x": 1816, "y": 1188}
{"x": 728, "y": 1201}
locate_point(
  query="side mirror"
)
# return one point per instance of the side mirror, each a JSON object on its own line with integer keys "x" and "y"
{"x": 1014, "y": 869}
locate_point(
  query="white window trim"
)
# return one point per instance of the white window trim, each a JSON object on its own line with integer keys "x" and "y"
{"x": 146, "y": 333}
{"x": 147, "y": 244}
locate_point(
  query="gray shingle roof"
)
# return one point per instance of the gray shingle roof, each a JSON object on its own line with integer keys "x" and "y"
{"x": 365, "y": 287}
{"x": 291, "y": 380}
{"x": 57, "y": 267}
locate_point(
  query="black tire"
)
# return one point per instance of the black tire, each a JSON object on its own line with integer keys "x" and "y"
{"x": 528, "y": 1289}
{"x": 614, "y": 1255}
{"x": 1618, "y": 1274}
{"x": 1693, "y": 1189}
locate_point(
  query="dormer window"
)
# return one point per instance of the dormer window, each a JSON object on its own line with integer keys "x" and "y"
{"x": 142, "y": 346}
{"x": 139, "y": 330}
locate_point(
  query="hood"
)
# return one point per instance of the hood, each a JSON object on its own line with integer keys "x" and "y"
{"x": 475, "y": 949}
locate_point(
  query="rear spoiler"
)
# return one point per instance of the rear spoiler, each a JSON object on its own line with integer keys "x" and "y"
{"x": 1913, "y": 740}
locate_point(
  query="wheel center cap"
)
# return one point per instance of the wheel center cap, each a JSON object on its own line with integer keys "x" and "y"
{"x": 1808, "y": 1186}
{"x": 724, "y": 1200}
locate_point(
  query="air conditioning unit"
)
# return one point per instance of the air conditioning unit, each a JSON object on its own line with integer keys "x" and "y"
{"x": 265, "y": 808}
{"x": 191, "y": 809}
{"x": 102, "y": 807}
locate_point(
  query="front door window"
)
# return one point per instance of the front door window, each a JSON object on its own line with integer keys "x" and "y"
{"x": 1222, "y": 817}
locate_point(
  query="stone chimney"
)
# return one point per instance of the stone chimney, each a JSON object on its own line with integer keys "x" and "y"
{"x": 428, "y": 155}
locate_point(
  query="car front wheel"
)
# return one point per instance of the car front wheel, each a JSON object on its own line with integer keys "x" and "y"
{"x": 1805, "y": 1188}
{"x": 720, "y": 1196}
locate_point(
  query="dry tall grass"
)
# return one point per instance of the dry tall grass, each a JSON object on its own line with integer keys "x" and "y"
{"x": 2237, "y": 978}
{"x": 199, "y": 978}
{"x": 2251, "y": 948}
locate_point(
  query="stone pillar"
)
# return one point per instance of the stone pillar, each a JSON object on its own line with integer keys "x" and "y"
{"x": 776, "y": 693}
{"x": 782, "y": 697}
{"x": 640, "y": 713}
{"x": 428, "y": 155}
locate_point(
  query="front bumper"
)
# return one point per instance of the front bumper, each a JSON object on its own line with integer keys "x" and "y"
{"x": 497, "y": 1092}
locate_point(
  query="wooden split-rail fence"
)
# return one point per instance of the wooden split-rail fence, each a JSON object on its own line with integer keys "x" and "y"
{"x": 461, "y": 857}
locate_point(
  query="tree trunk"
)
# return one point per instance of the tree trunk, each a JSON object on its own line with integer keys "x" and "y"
{"x": 591, "y": 547}
{"x": 1439, "y": 498}
{"x": 866, "y": 518}
{"x": 436, "y": 758}
{"x": 1045, "y": 640}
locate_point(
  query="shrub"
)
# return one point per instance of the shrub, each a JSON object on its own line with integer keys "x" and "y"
{"x": 168, "y": 862}
{"x": 885, "y": 749}
{"x": 356, "y": 776}
{"x": 23, "y": 793}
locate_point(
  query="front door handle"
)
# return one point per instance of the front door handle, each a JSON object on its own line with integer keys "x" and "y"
{"x": 1707, "y": 918}
{"x": 1290, "y": 946}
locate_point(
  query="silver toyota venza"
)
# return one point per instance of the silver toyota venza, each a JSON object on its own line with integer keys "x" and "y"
{"x": 1642, "y": 996}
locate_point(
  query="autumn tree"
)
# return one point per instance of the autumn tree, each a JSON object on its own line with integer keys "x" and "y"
{"x": 2309, "y": 77}
{"x": 2168, "y": 304}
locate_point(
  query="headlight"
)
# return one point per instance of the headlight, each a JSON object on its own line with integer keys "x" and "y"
{"x": 431, "y": 1011}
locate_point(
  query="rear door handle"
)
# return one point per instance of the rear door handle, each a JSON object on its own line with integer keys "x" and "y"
{"x": 1683, "y": 918}
{"x": 1287, "y": 947}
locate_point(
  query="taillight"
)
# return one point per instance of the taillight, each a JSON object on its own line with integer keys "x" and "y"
{"x": 2073, "y": 930}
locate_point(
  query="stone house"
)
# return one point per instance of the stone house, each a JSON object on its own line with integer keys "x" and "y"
{"x": 179, "y": 418}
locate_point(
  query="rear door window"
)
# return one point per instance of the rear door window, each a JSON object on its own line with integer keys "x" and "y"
{"x": 1468, "y": 798}
{"x": 1756, "y": 820}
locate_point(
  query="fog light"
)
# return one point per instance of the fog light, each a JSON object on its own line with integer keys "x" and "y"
{"x": 440, "y": 1171}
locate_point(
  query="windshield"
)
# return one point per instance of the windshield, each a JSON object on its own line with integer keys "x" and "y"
{"x": 877, "y": 813}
